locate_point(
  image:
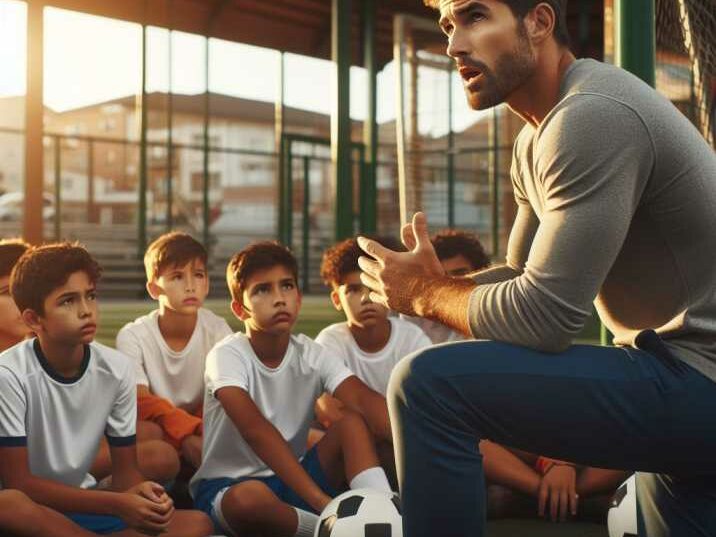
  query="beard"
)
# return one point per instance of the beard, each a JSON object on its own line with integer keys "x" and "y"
{"x": 510, "y": 72}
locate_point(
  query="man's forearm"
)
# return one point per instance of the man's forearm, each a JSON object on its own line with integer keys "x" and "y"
{"x": 445, "y": 300}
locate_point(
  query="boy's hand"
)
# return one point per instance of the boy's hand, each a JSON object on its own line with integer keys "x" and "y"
{"x": 191, "y": 450}
{"x": 147, "y": 508}
{"x": 558, "y": 486}
{"x": 328, "y": 410}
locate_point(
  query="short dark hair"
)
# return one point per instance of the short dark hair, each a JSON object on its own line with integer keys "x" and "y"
{"x": 43, "y": 269}
{"x": 452, "y": 242}
{"x": 10, "y": 251}
{"x": 171, "y": 250}
{"x": 520, "y": 8}
{"x": 257, "y": 256}
{"x": 342, "y": 258}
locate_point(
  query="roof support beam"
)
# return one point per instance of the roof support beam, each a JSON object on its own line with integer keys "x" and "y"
{"x": 34, "y": 169}
{"x": 340, "y": 118}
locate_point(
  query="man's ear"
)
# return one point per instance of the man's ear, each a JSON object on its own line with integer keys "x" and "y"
{"x": 336, "y": 299}
{"x": 32, "y": 319}
{"x": 540, "y": 22}
{"x": 238, "y": 309}
{"x": 154, "y": 290}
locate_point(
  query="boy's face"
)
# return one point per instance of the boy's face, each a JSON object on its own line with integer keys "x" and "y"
{"x": 12, "y": 325}
{"x": 352, "y": 298}
{"x": 457, "y": 266}
{"x": 70, "y": 312}
{"x": 181, "y": 288}
{"x": 271, "y": 301}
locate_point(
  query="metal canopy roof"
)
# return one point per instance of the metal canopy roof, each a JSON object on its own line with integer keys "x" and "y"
{"x": 297, "y": 26}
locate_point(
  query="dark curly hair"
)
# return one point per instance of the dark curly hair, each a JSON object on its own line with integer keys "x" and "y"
{"x": 342, "y": 258}
{"x": 10, "y": 251}
{"x": 257, "y": 256}
{"x": 43, "y": 269}
{"x": 452, "y": 242}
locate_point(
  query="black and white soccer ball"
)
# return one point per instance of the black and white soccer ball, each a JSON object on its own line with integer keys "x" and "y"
{"x": 362, "y": 513}
{"x": 621, "y": 518}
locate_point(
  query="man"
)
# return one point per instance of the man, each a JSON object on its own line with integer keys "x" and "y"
{"x": 616, "y": 194}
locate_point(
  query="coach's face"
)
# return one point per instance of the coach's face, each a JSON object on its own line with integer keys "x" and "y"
{"x": 490, "y": 47}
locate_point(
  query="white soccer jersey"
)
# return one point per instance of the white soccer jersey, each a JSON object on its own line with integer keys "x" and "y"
{"x": 177, "y": 376}
{"x": 437, "y": 332}
{"x": 61, "y": 420}
{"x": 373, "y": 368}
{"x": 284, "y": 395}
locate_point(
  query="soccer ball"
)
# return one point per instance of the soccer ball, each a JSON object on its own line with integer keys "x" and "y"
{"x": 621, "y": 518}
{"x": 362, "y": 513}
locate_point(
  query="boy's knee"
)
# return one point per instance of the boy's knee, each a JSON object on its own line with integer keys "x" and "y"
{"x": 16, "y": 504}
{"x": 148, "y": 430}
{"x": 158, "y": 460}
{"x": 245, "y": 502}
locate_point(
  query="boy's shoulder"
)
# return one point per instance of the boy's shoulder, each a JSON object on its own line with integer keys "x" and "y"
{"x": 19, "y": 359}
{"x": 409, "y": 332}
{"x": 335, "y": 330}
{"x": 212, "y": 321}
{"x": 141, "y": 324}
{"x": 116, "y": 362}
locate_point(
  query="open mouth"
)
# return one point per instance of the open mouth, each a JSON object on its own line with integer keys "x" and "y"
{"x": 470, "y": 74}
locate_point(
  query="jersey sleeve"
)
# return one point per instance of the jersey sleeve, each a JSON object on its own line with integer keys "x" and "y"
{"x": 121, "y": 427}
{"x": 332, "y": 372}
{"x": 225, "y": 367}
{"x": 128, "y": 344}
{"x": 13, "y": 406}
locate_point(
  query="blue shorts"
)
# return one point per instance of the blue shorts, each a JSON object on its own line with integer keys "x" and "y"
{"x": 208, "y": 489}
{"x": 101, "y": 524}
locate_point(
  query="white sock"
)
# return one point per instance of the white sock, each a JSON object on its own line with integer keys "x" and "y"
{"x": 307, "y": 523}
{"x": 372, "y": 478}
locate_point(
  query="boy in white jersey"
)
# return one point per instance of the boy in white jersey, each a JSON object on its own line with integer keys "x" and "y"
{"x": 460, "y": 253}
{"x": 61, "y": 393}
{"x": 369, "y": 342}
{"x": 256, "y": 477}
{"x": 170, "y": 344}
{"x": 156, "y": 459}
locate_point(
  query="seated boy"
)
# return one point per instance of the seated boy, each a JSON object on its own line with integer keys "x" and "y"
{"x": 61, "y": 393}
{"x": 170, "y": 344}
{"x": 12, "y": 328}
{"x": 256, "y": 477}
{"x": 369, "y": 342}
{"x": 155, "y": 458}
{"x": 460, "y": 253}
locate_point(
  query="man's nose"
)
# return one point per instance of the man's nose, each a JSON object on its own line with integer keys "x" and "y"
{"x": 457, "y": 44}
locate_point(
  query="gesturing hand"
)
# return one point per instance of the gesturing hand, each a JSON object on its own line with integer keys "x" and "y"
{"x": 397, "y": 279}
{"x": 558, "y": 487}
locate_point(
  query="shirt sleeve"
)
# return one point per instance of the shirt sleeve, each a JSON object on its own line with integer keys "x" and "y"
{"x": 332, "y": 371}
{"x": 13, "y": 406}
{"x": 121, "y": 427}
{"x": 128, "y": 344}
{"x": 591, "y": 161}
{"x": 225, "y": 367}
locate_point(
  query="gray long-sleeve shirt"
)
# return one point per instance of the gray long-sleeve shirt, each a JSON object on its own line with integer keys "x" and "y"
{"x": 616, "y": 195}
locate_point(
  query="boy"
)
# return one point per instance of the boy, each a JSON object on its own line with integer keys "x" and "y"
{"x": 369, "y": 342}
{"x": 170, "y": 344}
{"x": 21, "y": 517}
{"x": 155, "y": 458}
{"x": 61, "y": 392}
{"x": 460, "y": 253}
{"x": 256, "y": 476}
{"x": 12, "y": 328}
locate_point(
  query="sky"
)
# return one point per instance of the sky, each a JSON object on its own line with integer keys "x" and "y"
{"x": 93, "y": 59}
